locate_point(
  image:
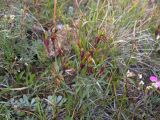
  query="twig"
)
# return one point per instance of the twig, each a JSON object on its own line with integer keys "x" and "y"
{"x": 15, "y": 89}
{"x": 76, "y": 5}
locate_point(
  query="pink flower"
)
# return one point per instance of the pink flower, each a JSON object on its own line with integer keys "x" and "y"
{"x": 153, "y": 78}
{"x": 59, "y": 26}
{"x": 156, "y": 84}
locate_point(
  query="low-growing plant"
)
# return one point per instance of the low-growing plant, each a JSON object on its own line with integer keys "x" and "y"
{"x": 89, "y": 61}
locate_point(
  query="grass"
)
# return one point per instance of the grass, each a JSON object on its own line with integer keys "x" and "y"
{"x": 83, "y": 76}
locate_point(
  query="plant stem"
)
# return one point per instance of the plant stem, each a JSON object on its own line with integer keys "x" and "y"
{"x": 54, "y": 16}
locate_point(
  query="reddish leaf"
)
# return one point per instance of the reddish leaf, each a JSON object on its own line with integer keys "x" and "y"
{"x": 82, "y": 65}
{"x": 46, "y": 43}
{"x": 90, "y": 70}
{"x": 53, "y": 36}
{"x": 101, "y": 71}
{"x": 81, "y": 53}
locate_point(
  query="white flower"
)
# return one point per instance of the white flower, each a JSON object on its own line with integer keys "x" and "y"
{"x": 22, "y": 11}
{"x": 157, "y": 37}
{"x": 20, "y": 59}
{"x": 26, "y": 64}
{"x": 140, "y": 76}
{"x": 15, "y": 58}
{"x": 141, "y": 83}
{"x": 12, "y": 17}
{"x": 130, "y": 74}
{"x": 149, "y": 87}
{"x": 5, "y": 16}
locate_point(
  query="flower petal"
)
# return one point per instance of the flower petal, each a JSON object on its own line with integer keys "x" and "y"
{"x": 158, "y": 84}
{"x": 153, "y": 78}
